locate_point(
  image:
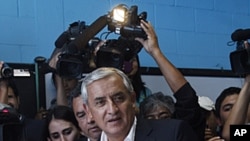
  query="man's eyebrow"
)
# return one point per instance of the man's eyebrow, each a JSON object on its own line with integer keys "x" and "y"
{"x": 117, "y": 94}
{"x": 99, "y": 98}
{"x": 113, "y": 95}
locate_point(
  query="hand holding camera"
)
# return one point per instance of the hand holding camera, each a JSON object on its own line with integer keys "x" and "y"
{"x": 240, "y": 58}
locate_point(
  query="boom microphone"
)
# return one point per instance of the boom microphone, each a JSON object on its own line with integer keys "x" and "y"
{"x": 240, "y": 34}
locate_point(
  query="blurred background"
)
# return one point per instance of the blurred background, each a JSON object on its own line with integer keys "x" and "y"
{"x": 192, "y": 33}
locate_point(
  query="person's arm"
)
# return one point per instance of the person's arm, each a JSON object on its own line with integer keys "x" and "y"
{"x": 172, "y": 75}
{"x": 186, "y": 106}
{"x": 61, "y": 98}
{"x": 240, "y": 108}
{"x": 239, "y": 111}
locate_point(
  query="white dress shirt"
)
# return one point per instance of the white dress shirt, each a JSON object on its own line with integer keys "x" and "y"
{"x": 129, "y": 137}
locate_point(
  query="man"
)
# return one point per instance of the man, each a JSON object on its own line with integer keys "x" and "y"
{"x": 186, "y": 106}
{"x": 232, "y": 107}
{"x": 9, "y": 92}
{"x": 34, "y": 129}
{"x": 87, "y": 125}
{"x": 110, "y": 99}
{"x": 13, "y": 96}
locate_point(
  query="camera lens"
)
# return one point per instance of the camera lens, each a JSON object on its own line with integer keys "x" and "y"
{"x": 6, "y": 71}
{"x": 69, "y": 67}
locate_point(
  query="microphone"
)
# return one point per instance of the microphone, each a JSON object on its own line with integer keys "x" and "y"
{"x": 240, "y": 34}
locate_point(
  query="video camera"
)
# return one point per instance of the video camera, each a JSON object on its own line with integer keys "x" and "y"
{"x": 72, "y": 62}
{"x": 6, "y": 71}
{"x": 125, "y": 21}
{"x": 117, "y": 53}
{"x": 11, "y": 128}
{"x": 240, "y": 59}
{"x": 78, "y": 43}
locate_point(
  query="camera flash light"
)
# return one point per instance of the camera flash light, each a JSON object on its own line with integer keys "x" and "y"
{"x": 119, "y": 14}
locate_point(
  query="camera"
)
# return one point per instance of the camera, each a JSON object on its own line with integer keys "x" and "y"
{"x": 125, "y": 21}
{"x": 117, "y": 53}
{"x": 240, "y": 58}
{"x": 6, "y": 71}
{"x": 72, "y": 62}
{"x": 77, "y": 44}
{"x": 11, "y": 128}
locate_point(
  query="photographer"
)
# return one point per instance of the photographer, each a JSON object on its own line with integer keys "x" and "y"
{"x": 24, "y": 129}
{"x": 239, "y": 112}
{"x": 62, "y": 84}
{"x": 8, "y": 90}
{"x": 186, "y": 107}
{"x": 67, "y": 64}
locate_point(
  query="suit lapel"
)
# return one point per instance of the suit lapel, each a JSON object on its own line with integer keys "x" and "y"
{"x": 143, "y": 131}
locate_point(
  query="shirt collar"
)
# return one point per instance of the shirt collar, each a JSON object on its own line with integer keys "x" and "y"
{"x": 129, "y": 137}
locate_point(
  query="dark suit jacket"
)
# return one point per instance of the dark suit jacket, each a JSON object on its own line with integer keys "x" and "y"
{"x": 35, "y": 129}
{"x": 164, "y": 130}
{"x": 82, "y": 138}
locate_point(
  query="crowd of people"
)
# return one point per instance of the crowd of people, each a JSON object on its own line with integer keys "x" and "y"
{"x": 111, "y": 105}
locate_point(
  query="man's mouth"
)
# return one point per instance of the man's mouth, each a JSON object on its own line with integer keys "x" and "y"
{"x": 95, "y": 129}
{"x": 114, "y": 119}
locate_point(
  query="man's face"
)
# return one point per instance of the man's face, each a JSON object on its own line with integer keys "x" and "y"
{"x": 69, "y": 85}
{"x": 111, "y": 105}
{"x": 226, "y": 107}
{"x": 13, "y": 101}
{"x": 87, "y": 124}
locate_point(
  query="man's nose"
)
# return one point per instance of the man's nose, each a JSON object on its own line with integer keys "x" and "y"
{"x": 112, "y": 107}
{"x": 90, "y": 119}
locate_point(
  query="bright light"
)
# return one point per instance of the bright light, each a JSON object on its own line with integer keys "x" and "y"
{"x": 119, "y": 14}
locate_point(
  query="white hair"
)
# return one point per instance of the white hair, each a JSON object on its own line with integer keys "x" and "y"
{"x": 102, "y": 73}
